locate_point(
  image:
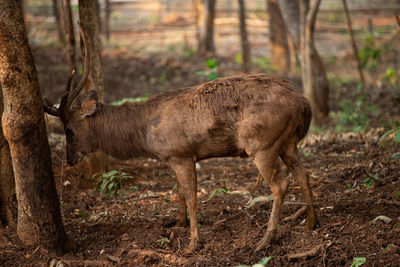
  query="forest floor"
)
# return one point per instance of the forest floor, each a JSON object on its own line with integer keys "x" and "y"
{"x": 354, "y": 179}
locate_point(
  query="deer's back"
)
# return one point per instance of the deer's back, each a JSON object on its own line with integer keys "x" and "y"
{"x": 227, "y": 116}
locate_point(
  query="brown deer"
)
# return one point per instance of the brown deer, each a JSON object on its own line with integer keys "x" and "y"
{"x": 252, "y": 115}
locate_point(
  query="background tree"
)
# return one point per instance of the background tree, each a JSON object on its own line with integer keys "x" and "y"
{"x": 56, "y": 14}
{"x": 90, "y": 21}
{"x": 39, "y": 218}
{"x": 206, "y": 29}
{"x": 107, "y": 12}
{"x": 8, "y": 214}
{"x": 243, "y": 38}
{"x": 308, "y": 14}
{"x": 291, "y": 15}
{"x": 278, "y": 41}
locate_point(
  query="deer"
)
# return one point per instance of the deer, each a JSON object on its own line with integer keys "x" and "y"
{"x": 244, "y": 115}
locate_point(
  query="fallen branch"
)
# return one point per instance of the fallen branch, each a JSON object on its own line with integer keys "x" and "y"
{"x": 296, "y": 215}
{"x": 310, "y": 253}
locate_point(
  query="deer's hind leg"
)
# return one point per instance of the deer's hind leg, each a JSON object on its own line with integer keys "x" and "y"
{"x": 291, "y": 159}
{"x": 267, "y": 163}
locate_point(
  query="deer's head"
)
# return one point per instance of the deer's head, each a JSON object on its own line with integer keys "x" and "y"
{"x": 74, "y": 115}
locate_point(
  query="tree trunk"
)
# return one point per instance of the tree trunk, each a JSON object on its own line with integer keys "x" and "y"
{"x": 69, "y": 30}
{"x": 308, "y": 14}
{"x": 206, "y": 31}
{"x": 107, "y": 12}
{"x": 56, "y": 14}
{"x": 8, "y": 209}
{"x": 278, "y": 42}
{"x": 39, "y": 218}
{"x": 89, "y": 19}
{"x": 243, "y": 38}
{"x": 291, "y": 14}
{"x": 353, "y": 41}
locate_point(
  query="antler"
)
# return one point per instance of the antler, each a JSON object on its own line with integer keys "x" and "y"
{"x": 63, "y": 111}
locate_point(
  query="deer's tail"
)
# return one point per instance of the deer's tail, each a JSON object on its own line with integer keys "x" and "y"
{"x": 305, "y": 123}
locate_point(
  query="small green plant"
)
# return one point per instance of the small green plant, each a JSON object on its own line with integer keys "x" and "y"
{"x": 129, "y": 99}
{"x": 261, "y": 263}
{"x": 164, "y": 242}
{"x": 354, "y": 116}
{"x": 370, "y": 54}
{"x": 358, "y": 261}
{"x": 219, "y": 191}
{"x": 263, "y": 63}
{"x": 238, "y": 58}
{"x": 368, "y": 182}
{"x": 110, "y": 182}
{"x": 212, "y": 71}
{"x": 396, "y": 135}
{"x": 188, "y": 53}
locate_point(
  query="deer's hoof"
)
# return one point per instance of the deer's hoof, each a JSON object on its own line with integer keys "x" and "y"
{"x": 312, "y": 222}
{"x": 182, "y": 223}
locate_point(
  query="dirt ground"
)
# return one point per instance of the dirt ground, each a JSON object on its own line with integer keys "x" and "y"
{"x": 353, "y": 177}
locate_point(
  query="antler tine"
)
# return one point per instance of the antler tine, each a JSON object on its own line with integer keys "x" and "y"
{"x": 86, "y": 68}
{"x": 64, "y": 108}
{"x": 50, "y": 109}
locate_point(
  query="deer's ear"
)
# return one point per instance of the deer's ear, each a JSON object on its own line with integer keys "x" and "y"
{"x": 89, "y": 104}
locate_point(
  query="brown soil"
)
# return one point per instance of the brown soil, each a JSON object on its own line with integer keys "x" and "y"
{"x": 137, "y": 228}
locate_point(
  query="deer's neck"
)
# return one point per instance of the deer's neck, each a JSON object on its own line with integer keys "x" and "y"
{"x": 120, "y": 131}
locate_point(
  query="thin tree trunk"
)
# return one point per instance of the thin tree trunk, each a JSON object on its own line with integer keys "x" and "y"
{"x": 353, "y": 41}
{"x": 243, "y": 38}
{"x": 89, "y": 19}
{"x": 206, "y": 32}
{"x": 8, "y": 209}
{"x": 278, "y": 41}
{"x": 69, "y": 30}
{"x": 107, "y": 12}
{"x": 308, "y": 14}
{"x": 291, "y": 14}
{"x": 39, "y": 218}
{"x": 56, "y": 14}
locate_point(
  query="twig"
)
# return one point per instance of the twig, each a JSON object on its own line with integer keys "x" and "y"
{"x": 310, "y": 253}
{"x": 296, "y": 215}
{"x": 398, "y": 20}
{"x": 389, "y": 202}
{"x": 353, "y": 42}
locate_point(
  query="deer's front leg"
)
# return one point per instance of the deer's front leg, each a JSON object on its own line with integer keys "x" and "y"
{"x": 182, "y": 219}
{"x": 185, "y": 172}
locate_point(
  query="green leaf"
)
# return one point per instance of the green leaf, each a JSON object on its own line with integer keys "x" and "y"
{"x": 358, "y": 261}
{"x": 264, "y": 261}
{"x": 386, "y": 134}
{"x": 397, "y": 136}
{"x": 103, "y": 186}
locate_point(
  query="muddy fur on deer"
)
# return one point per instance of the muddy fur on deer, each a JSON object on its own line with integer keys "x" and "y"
{"x": 246, "y": 115}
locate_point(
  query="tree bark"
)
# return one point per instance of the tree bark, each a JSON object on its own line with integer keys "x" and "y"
{"x": 89, "y": 19}
{"x": 291, "y": 14}
{"x": 8, "y": 207}
{"x": 107, "y": 12}
{"x": 56, "y": 14}
{"x": 69, "y": 30}
{"x": 308, "y": 14}
{"x": 243, "y": 38}
{"x": 206, "y": 30}
{"x": 39, "y": 218}
{"x": 278, "y": 42}
{"x": 353, "y": 41}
